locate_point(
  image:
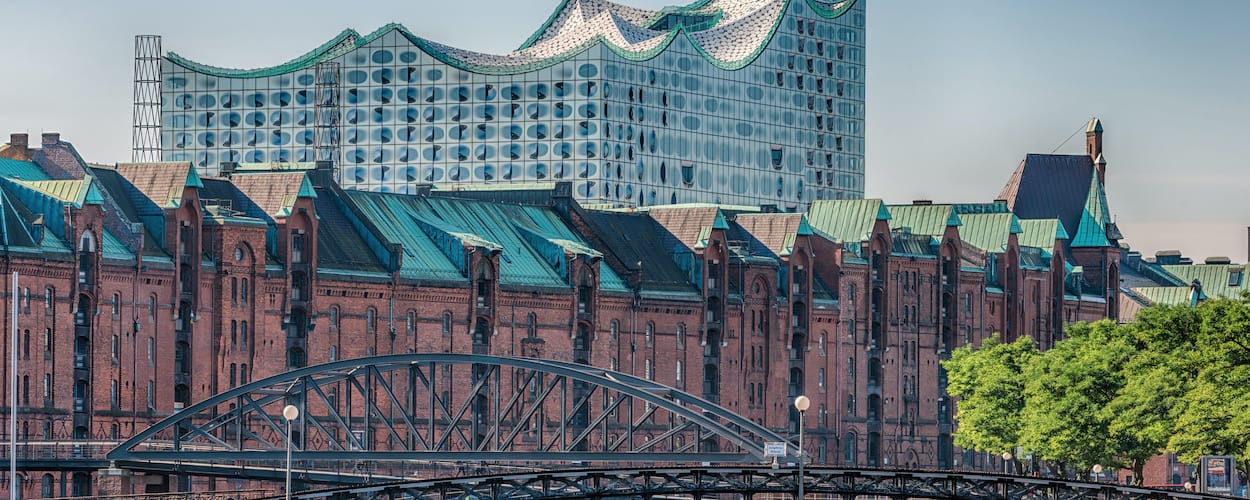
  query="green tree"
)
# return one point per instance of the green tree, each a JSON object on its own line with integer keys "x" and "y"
{"x": 989, "y": 383}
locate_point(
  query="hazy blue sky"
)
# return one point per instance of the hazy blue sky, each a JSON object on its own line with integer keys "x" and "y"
{"x": 958, "y": 91}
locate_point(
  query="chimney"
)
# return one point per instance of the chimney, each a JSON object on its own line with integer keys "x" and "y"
{"x": 51, "y": 138}
{"x": 227, "y": 168}
{"x": 1093, "y": 146}
{"x": 19, "y": 143}
{"x": 922, "y": 202}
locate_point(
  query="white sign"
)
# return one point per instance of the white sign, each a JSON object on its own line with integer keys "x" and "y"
{"x": 775, "y": 448}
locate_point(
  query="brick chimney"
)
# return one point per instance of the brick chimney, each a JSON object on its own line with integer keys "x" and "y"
{"x": 1093, "y": 147}
{"x": 51, "y": 138}
{"x": 18, "y": 147}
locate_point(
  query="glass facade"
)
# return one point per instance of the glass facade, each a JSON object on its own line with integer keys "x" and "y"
{"x": 728, "y": 101}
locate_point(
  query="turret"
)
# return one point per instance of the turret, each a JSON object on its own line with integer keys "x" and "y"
{"x": 1093, "y": 147}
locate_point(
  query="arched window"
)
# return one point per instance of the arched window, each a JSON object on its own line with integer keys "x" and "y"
{"x": 295, "y": 357}
{"x": 334, "y": 318}
{"x": 613, "y": 330}
{"x": 243, "y": 292}
{"x": 650, "y": 334}
{"x": 371, "y": 320}
{"x": 531, "y": 326}
{"x": 410, "y": 322}
{"x": 681, "y": 336}
{"x": 447, "y": 324}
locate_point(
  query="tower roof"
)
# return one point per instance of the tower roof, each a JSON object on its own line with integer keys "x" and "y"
{"x": 1095, "y": 125}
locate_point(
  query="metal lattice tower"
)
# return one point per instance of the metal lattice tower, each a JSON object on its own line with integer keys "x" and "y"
{"x": 146, "y": 141}
{"x": 328, "y": 113}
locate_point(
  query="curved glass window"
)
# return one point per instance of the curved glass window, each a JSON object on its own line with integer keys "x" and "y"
{"x": 433, "y": 114}
{"x": 485, "y": 92}
{"x": 279, "y": 138}
{"x": 587, "y": 89}
{"x": 432, "y": 133}
{"x": 205, "y": 159}
{"x": 382, "y": 135}
{"x": 383, "y": 76}
{"x": 461, "y": 93}
{"x": 382, "y": 56}
{"x": 563, "y": 110}
{"x": 485, "y": 132}
{"x": 486, "y": 112}
{"x": 253, "y": 138}
{"x": 207, "y": 101}
{"x": 184, "y": 101}
{"x": 230, "y": 139}
{"x": 256, "y": 118}
{"x": 354, "y": 135}
{"x": 356, "y": 155}
{"x": 407, "y": 56}
{"x": 207, "y": 139}
{"x": 304, "y": 137}
{"x": 587, "y": 71}
{"x": 382, "y": 95}
{"x": 484, "y": 152}
{"x": 407, "y": 134}
{"x": 485, "y": 172}
{"x": 410, "y": 74}
{"x": 586, "y": 150}
{"x": 381, "y": 115}
{"x": 282, "y": 98}
{"x": 458, "y": 132}
{"x": 538, "y": 171}
{"x": 536, "y": 110}
{"x": 280, "y": 118}
{"x": 538, "y": 91}
{"x": 586, "y": 170}
{"x": 537, "y": 131}
{"x": 409, "y": 173}
{"x": 303, "y": 97}
{"x": 513, "y": 151}
{"x": 513, "y": 132}
{"x": 434, "y": 75}
{"x": 563, "y": 150}
{"x": 410, "y": 115}
{"x": 433, "y": 94}
{"x": 208, "y": 119}
{"x": 256, "y": 100}
{"x": 380, "y": 155}
{"x": 537, "y": 150}
{"x": 357, "y": 76}
{"x": 586, "y": 129}
{"x": 406, "y": 154}
{"x": 433, "y": 153}
{"x": 407, "y": 94}
{"x": 561, "y": 89}
{"x": 230, "y": 100}
{"x": 355, "y": 96}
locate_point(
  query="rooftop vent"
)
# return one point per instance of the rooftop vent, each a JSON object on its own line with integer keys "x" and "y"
{"x": 1218, "y": 260}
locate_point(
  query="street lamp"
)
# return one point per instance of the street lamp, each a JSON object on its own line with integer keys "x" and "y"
{"x": 1097, "y": 470}
{"x": 801, "y": 404}
{"x": 1006, "y": 461}
{"x": 290, "y": 413}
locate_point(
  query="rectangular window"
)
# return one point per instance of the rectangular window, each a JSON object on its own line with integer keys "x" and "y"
{"x": 151, "y": 395}
{"x": 151, "y": 351}
{"x": 116, "y": 348}
{"x": 47, "y": 387}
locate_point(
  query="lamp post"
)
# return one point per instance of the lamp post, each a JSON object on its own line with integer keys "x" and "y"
{"x": 1097, "y": 470}
{"x": 801, "y": 404}
{"x": 1006, "y": 462}
{"x": 290, "y": 413}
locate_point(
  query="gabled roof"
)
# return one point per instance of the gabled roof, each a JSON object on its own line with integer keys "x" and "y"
{"x": 847, "y": 220}
{"x": 1217, "y": 279}
{"x": 1095, "y": 219}
{"x": 75, "y": 192}
{"x": 274, "y": 192}
{"x": 989, "y": 232}
{"x": 163, "y": 183}
{"x": 1041, "y": 233}
{"x": 634, "y": 240}
{"x": 1049, "y": 187}
{"x": 930, "y": 220}
{"x": 771, "y": 234}
{"x": 689, "y": 227}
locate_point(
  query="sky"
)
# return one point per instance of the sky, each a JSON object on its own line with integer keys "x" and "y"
{"x": 957, "y": 91}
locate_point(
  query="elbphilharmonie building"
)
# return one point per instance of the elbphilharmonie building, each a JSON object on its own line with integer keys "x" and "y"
{"x": 746, "y": 102}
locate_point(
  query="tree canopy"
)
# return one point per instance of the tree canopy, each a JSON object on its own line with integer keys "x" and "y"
{"x": 1177, "y": 379}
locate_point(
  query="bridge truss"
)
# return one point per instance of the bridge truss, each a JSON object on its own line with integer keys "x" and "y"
{"x": 450, "y": 407}
{"x": 746, "y": 482}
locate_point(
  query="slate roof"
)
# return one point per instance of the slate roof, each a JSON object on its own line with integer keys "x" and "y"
{"x": 135, "y": 207}
{"x": 633, "y": 238}
{"x": 343, "y": 243}
{"x": 1063, "y": 187}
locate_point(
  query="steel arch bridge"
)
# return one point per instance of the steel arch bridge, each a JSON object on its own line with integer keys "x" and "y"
{"x": 449, "y": 407}
{"x": 746, "y": 482}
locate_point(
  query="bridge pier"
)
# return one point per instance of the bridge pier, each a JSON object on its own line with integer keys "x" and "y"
{"x": 114, "y": 481}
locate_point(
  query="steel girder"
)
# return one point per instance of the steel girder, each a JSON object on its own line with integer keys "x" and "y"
{"x": 442, "y": 407}
{"x": 695, "y": 483}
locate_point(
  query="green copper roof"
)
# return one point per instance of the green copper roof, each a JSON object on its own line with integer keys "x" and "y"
{"x": 1041, "y": 233}
{"x": 75, "y": 192}
{"x": 846, "y": 220}
{"x": 113, "y": 248}
{"x": 1092, "y": 228}
{"x": 1218, "y": 280}
{"x": 1168, "y": 295}
{"x": 989, "y": 232}
{"x": 19, "y": 169}
{"x": 929, "y": 220}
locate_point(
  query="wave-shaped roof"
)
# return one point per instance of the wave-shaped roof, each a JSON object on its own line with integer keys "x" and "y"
{"x": 728, "y": 33}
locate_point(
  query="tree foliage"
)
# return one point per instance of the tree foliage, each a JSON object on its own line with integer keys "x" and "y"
{"x": 990, "y": 384}
{"x": 1177, "y": 379}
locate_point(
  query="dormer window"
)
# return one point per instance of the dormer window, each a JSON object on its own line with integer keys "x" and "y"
{"x": 1234, "y": 276}
{"x": 298, "y": 244}
{"x": 484, "y": 286}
